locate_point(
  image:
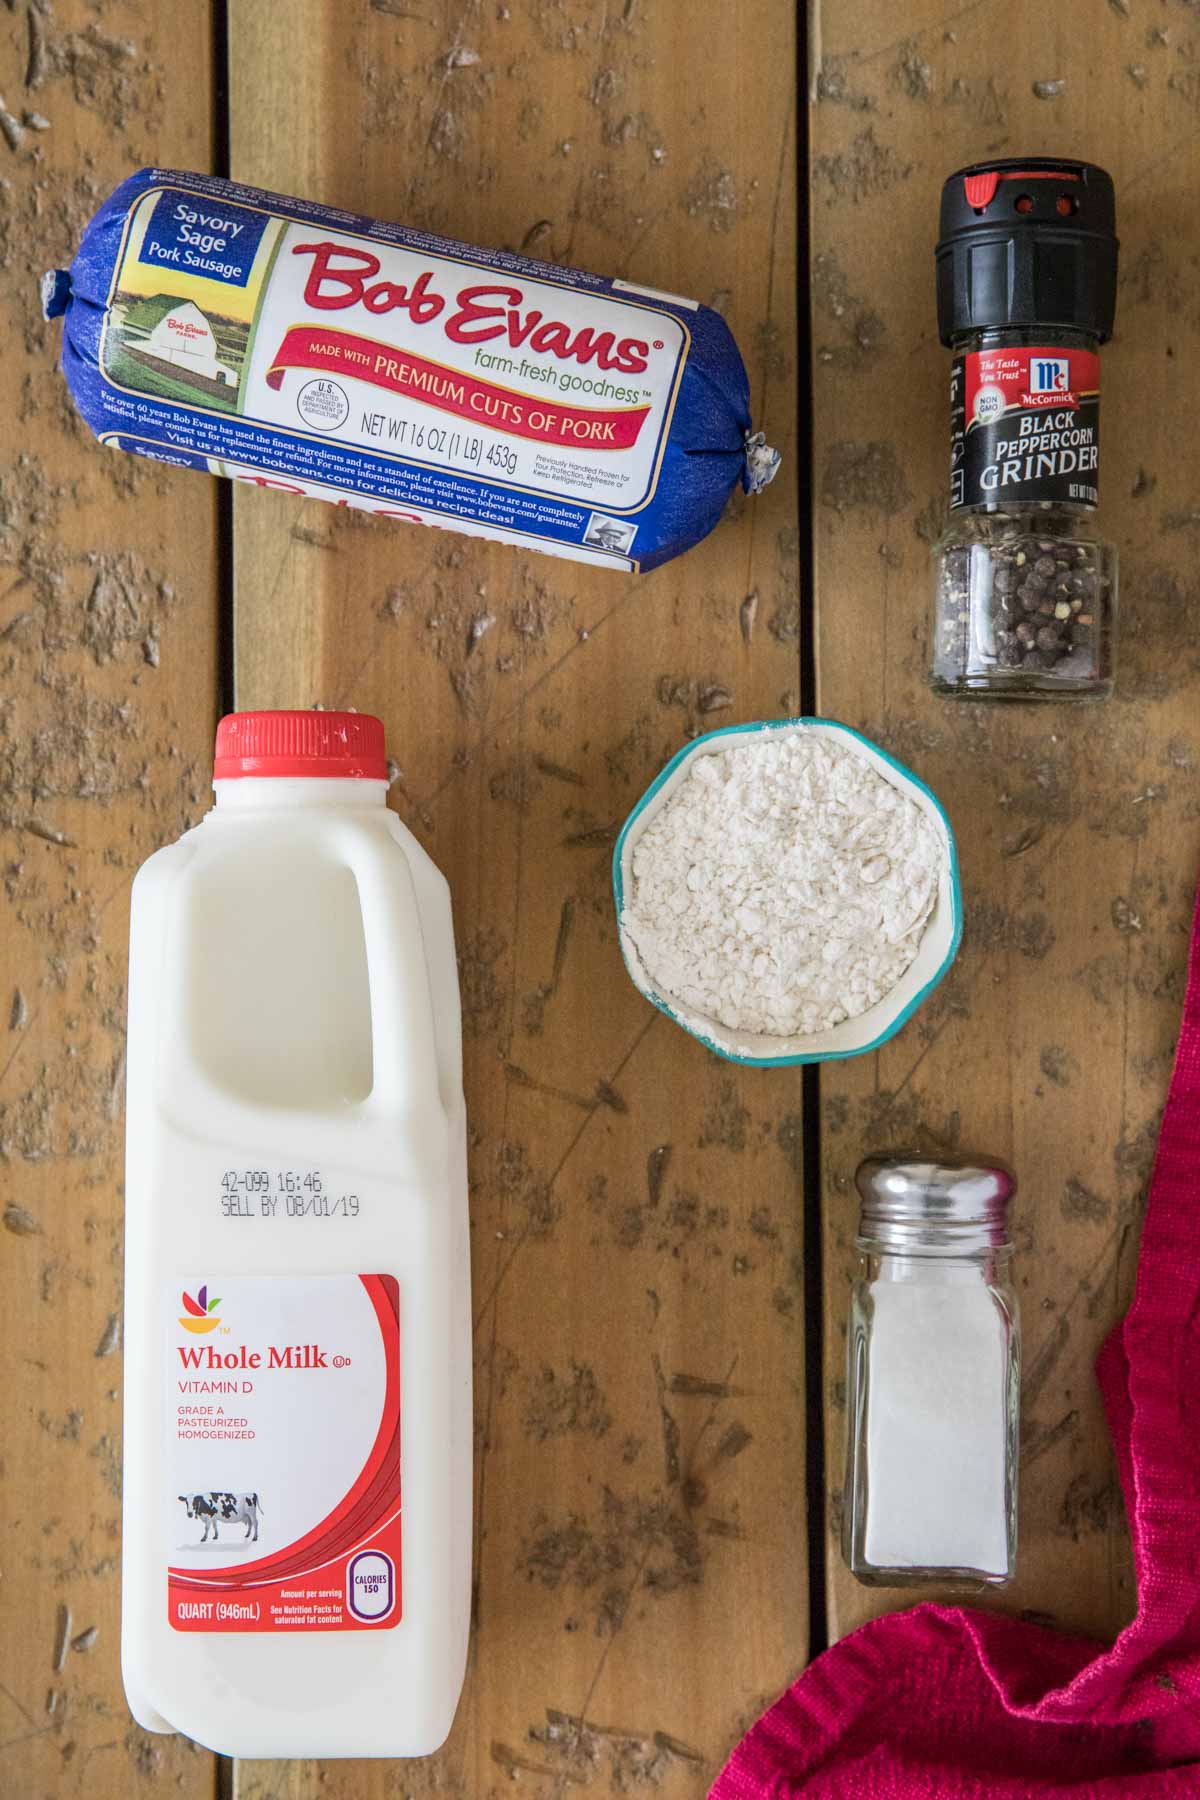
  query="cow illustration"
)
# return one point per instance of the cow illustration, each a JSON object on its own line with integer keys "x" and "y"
{"x": 202, "y": 1506}
{"x": 216, "y": 1508}
{"x": 243, "y": 1507}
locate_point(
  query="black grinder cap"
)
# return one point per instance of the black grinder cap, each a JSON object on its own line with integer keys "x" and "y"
{"x": 1027, "y": 241}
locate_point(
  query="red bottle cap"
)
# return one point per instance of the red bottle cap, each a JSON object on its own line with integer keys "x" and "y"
{"x": 343, "y": 744}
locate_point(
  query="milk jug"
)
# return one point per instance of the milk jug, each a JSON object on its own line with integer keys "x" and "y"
{"x": 297, "y": 1494}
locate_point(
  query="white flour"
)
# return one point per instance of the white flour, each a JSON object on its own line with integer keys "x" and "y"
{"x": 783, "y": 887}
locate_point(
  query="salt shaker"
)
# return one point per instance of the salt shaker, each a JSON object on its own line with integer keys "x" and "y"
{"x": 933, "y": 1379}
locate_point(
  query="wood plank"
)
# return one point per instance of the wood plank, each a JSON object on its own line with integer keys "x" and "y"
{"x": 639, "y": 1524}
{"x": 108, "y": 633}
{"x": 1052, "y": 1040}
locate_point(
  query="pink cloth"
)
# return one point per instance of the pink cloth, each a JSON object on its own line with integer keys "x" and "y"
{"x": 943, "y": 1702}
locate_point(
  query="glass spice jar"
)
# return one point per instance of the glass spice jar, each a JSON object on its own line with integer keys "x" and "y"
{"x": 1025, "y": 596}
{"x": 933, "y": 1377}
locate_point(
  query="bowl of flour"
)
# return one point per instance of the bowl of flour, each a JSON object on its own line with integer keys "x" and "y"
{"x": 787, "y": 892}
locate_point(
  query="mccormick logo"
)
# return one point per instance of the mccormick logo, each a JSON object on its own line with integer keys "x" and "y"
{"x": 199, "y": 1315}
{"x": 1049, "y": 375}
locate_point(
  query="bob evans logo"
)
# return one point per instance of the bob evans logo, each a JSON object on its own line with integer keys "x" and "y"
{"x": 200, "y": 1315}
{"x": 478, "y": 314}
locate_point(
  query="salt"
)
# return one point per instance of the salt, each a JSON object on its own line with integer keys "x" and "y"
{"x": 936, "y": 1435}
{"x": 932, "y": 1382}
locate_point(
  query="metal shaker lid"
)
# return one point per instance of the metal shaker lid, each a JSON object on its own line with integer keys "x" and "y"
{"x": 913, "y": 1204}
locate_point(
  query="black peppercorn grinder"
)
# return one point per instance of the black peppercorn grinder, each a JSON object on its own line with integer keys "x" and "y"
{"x": 1025, "y": 594}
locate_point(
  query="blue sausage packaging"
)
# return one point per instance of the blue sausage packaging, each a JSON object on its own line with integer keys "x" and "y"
{"x": 300, "y": 347}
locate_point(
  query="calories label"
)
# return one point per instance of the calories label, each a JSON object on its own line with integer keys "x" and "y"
{"x": 1025, "y": 427}
{"x": 282, "y": 1492}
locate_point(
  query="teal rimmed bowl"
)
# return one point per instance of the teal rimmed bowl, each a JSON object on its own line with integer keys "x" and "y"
{"x": 853, "y": 1037}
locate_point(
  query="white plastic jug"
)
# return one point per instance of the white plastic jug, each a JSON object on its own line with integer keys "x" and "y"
{"x": 297, "y": 1498}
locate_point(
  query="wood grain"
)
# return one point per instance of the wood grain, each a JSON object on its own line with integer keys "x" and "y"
{"x": 1052, "y": 1039}
{"x": 636, "y": 1209}
{"x": 108, "y": 632}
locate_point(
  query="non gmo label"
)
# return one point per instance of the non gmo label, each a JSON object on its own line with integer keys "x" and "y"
{"x": 282, "y": 1502}
{"x": 1025, "y": 427}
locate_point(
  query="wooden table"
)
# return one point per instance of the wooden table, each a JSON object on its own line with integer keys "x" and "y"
{"x": 661, "y": 1241}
